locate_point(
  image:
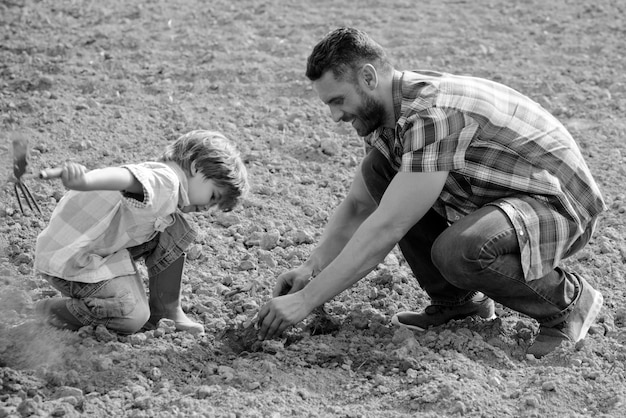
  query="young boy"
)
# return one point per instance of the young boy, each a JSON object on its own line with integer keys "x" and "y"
{"x": 115, "y": 215}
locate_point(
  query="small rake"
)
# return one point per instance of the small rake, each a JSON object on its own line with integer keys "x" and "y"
{"x": 20, "y": 162}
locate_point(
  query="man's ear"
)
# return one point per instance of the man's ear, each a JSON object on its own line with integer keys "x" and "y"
{"x": 369, "y": 76}
{"x": 192, "y": 168}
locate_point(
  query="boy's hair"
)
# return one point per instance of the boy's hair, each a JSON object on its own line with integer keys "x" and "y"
{"x": 343, "y": 51}
{"x": 216, "y": 158}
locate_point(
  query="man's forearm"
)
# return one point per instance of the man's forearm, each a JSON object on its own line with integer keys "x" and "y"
{"x": 408, "y": 197}
{"x": 367, "y": 248}
{"x": 339, "y": 230}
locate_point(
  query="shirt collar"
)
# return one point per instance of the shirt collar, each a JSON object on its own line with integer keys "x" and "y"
{"x": 183, "y": 195}
{"x": 396, "y": 94}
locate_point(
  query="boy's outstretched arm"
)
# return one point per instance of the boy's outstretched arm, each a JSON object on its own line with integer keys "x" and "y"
{"x": 76, "y": 177}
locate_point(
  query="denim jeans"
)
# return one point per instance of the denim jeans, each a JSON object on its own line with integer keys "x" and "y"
{"x": 480, "y": 252}
{"x": 166, "y": 247}
{"x": 121, "y": 303}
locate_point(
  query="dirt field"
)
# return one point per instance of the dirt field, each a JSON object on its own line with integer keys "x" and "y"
{"x": 108, "y": 82}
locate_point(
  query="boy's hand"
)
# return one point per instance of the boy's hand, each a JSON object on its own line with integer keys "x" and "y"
{"x": 74, "y": 177}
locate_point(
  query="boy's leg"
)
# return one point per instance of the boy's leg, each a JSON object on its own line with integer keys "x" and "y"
{"x": 119, "y": 303}
{"x": 56, "y": 313}
{"x": 54, "y": 310}
{"x": 165, "y": 292}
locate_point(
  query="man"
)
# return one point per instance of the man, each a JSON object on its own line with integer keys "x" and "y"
{"x": 484, "y": 191}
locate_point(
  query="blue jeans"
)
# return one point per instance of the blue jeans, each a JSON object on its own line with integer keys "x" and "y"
{"x": 121, "y": 303}
{"x": 167, "y": 247}
{"x": 480, "y": 252}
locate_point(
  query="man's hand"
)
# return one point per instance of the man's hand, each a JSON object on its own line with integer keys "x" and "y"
{"x": 292, "y": 281}
{"x": 280, "y": 313}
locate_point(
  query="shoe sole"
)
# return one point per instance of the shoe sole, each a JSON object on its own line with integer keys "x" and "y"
{"x": 396, "y": 321}
{"x": 596, "y": 306}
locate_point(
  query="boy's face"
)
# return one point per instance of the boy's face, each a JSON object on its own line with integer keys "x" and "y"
{"x": 202, "y": 192}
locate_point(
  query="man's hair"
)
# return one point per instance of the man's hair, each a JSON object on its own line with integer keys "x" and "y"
{"x": 216, "y": 158}
{"x": 343, "y": 51}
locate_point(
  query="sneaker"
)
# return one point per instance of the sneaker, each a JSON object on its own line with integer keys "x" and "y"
{"x": 435, "y": 315}
{"x": 574, "y": 328}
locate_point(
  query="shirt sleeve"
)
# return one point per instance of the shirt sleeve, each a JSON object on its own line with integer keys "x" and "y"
{"x": 435, "y": 139}
{"x": 159, "y": 183}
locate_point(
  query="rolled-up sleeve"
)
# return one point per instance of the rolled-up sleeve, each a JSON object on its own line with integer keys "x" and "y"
{"x": 160, "y": 187}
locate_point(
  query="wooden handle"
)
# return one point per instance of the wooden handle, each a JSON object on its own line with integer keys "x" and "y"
{"x": 51, "y": 173}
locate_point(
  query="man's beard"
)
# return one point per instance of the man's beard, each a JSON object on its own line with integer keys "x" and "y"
{"x": 371, "y": 114}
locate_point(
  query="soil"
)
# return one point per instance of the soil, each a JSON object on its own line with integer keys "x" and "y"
{"x": 109, "y": 82}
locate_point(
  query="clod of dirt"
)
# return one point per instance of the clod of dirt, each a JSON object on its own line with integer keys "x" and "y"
{"x": 241, "y": 338}
{"x": 322, "y": 323}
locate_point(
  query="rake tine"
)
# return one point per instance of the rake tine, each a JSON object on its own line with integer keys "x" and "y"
{"x": 17, "y": 195}
{"x": 25, "y": 196}
{"x": 32, "y": 199}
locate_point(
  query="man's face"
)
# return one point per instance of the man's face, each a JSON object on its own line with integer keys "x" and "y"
{"x": 349, "y": 102}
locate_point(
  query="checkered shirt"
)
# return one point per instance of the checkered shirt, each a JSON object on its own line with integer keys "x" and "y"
{"x": 89, "y": 232}
{"x": 501, "y": 148}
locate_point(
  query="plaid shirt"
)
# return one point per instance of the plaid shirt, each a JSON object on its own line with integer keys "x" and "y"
{"x": 501, "y": 148}
{"x": 89, "y": 232}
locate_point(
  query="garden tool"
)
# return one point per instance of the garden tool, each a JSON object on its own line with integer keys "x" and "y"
{"x": 165, "y": 292}
{"x": 20, "y": 162}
